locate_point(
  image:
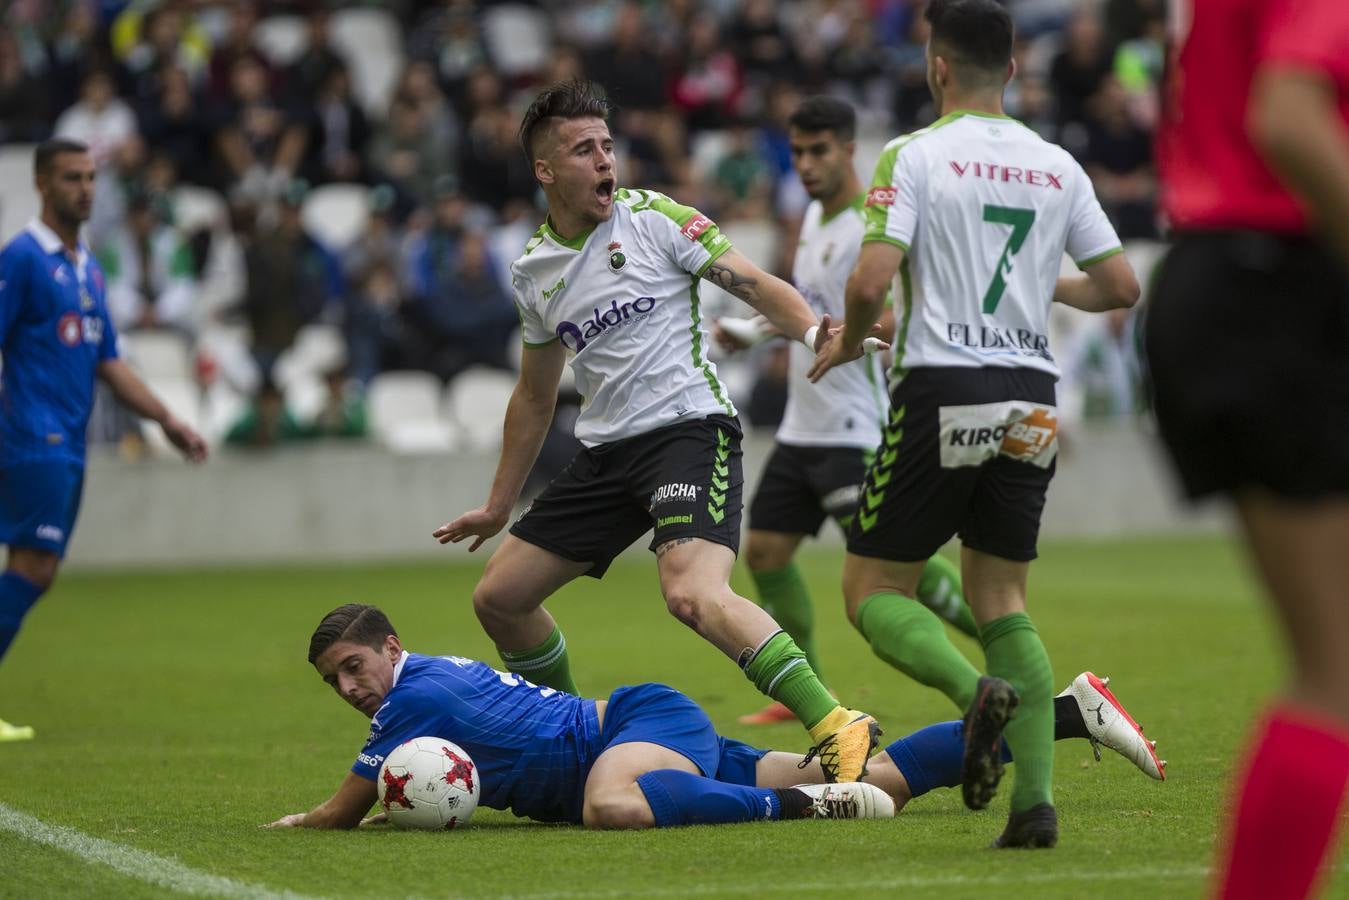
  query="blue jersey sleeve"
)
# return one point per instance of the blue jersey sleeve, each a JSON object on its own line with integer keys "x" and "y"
{"x": 14, "y": 267}
{"x": 399, "y": 720}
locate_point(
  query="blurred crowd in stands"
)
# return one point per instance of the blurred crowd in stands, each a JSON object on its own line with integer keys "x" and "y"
{"x": 272, "y": 168}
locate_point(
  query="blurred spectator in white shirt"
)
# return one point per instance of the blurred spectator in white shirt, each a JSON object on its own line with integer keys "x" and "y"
{"x": 152, "y": 281}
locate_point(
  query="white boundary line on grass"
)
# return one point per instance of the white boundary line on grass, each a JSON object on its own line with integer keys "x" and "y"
{"x": 169, "y": 873}
{"x": 139, "y": 864}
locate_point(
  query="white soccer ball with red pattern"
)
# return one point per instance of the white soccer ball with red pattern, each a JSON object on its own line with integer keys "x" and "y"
{"x": 428, "y": 783}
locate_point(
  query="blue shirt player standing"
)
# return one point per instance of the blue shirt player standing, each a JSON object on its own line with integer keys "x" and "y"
{"x": 55, "y": 337}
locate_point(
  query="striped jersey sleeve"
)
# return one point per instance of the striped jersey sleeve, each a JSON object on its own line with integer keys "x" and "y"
{"x": 694, "y": 240}
{"x": 895, "y": 196}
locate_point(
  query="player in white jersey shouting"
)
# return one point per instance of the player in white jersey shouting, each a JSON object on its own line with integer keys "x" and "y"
{"x": 830, "y": 429}
{"x": 610, "y": 281}
{"x": 975, "y": 213}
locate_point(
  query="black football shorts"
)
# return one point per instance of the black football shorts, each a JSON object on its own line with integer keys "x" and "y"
{"x": 683, "y": 480}
{"x": 1247, "y": 338}
{"x": 968, "y": 452}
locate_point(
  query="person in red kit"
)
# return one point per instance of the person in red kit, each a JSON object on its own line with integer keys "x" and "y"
{"x": 1248, "y": 344}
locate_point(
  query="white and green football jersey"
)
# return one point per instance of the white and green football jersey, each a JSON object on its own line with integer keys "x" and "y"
{"x": 846, "y": 407}
{"x": 985, "y": 209}
{"x": 623, "y": 300}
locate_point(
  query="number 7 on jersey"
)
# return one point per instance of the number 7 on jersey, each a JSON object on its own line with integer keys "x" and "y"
{"x": 1021, "y": 220}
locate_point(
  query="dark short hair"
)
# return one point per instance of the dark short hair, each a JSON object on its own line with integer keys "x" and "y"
{"x": 48, "y": 150}
{"x": 977, "y": 32}
{"x": 359, "y": 623}
{"x": 575, "y": 99}
{"x": 821, "y": 113}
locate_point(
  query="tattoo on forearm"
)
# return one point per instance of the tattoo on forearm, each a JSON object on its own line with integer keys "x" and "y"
{"x": 730, "y": 281}
{"x": 665, "y": 547}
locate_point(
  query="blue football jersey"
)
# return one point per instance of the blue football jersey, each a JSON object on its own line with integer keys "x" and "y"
{"x": 54, "y": 331}
{"x": 533, "y": 746}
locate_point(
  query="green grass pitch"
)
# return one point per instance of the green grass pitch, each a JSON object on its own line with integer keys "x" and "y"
{"x": 176, "y": 712}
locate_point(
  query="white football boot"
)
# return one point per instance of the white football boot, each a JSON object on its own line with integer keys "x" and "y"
{"x": 1110, "y": 724}
{"x": 847, "y": 800}
{"x": 10, "y": 732}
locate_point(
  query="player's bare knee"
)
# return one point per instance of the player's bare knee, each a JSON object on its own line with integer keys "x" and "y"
{"x": 685, "y": 604}
{"x": 859, "y": 584}
{"x": 618, "y": 808}
{"x": 855, "y": 590}
{"x": 36, "y": 567}
{"x": 490, "y": 605}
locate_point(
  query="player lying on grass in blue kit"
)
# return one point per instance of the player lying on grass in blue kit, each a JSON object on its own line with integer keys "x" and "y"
{"x": 647, "y": 756}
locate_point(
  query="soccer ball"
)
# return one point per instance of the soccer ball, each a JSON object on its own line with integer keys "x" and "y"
{"x": 428, "y": 783}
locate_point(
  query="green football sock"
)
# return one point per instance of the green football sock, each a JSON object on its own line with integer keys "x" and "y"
{"x": 779, "y": 669}
{"x": 783, "y": 595}
{"x": 545, "y": 665}
{"x": 910, "y": 637}
{"x": 940, "y": 591}
{"x": 1014, "y": 652}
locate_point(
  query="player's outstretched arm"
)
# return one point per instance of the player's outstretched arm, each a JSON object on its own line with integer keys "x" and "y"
{"x": 141, "y": 400}
{"x": 528, "y": 416}
{"x": 1105, "y": 285}
{"x": 1294, "y": 123}
{"x": 344, "y": 809}
{"x": 778, "y": 301}
{"x": 863, "y": 302}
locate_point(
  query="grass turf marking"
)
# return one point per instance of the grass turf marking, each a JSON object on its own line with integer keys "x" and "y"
{"x": 140, "y": 864}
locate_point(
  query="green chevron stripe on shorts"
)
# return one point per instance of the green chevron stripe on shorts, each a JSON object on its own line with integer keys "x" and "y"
{"x": 721, "y": 478}
{"x": 878, "y": 476}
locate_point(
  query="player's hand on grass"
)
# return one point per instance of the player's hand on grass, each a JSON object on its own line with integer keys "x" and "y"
{"x": 294, "y": 820}
{"x": 376, "y": 819}
{"x": 480, "y": 523}
{"x": 188, "y": 442}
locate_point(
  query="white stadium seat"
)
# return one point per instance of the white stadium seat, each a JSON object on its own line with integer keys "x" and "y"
{"x": 228, "y": 347}
{"x": 197, "y": 207}
{"x": 18, "y": 198}
{"x": 318, "y": 349}
{"x": 305, "y": 396}
{"x": 518, "y": 38}
{"x": 476, "y": 401}
{"x": 221, "y": 408}
{"x": 157, "y": 354}
{"x": 282, "y": 39}
{"x": 336, "y": 213}
{"x": 372, "y": 44}
{"x": 404, "y": 409}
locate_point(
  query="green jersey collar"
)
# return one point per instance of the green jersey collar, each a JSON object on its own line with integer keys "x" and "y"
{"x": 977, "y": 113}
{"x": 575, "y": 243}
{"x": 858, "y": 203}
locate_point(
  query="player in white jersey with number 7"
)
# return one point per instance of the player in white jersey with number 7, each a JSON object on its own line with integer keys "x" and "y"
{"x": 830, "y": 429}
{"x": 609, "y": 283}
{"x": 975, "y": 214}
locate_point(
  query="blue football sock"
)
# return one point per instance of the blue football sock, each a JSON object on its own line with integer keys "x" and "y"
{"x": 17, "y": 596}
{"x": 931, "y": 758}
{"x": 681, "y": 798}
